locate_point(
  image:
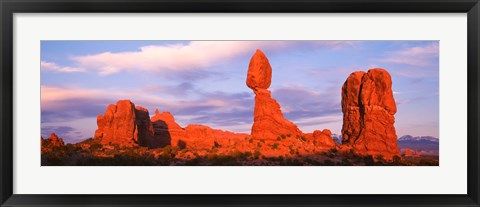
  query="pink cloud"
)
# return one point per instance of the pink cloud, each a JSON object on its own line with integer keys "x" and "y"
{"x": 50, "y": 66}
{"x": 175, "y": 57}
{"x": 56, "y": 98}
{"x": 182, "y": 57}
{"x": 416, "y": 56}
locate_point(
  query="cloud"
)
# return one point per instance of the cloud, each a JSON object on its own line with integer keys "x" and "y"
{"x": 299, "y": 102}
{"x": 181, "y": 57}
{"x": 173, "y": 57}
{"x": 414, "y": 56}
{"x": 50, "y": 66}
{"x": 68, "y": 134}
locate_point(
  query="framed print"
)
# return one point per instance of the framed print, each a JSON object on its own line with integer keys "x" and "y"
{"x": 189, "y": 103}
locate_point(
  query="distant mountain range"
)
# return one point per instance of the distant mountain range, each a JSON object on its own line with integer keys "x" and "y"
{"x": 419, "y": 138}
{"x": 426, "y": 145}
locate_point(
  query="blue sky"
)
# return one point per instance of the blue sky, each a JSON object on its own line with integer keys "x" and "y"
{"x": 203, "y": 82}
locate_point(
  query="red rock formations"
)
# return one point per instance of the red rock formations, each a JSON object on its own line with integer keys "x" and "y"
{"x": 368, "y": 113}
{"x": 368, "y": 121}
{"x": 53, "y": 141}
{"x": 269, "y": 122}
{"x": 126, "y": 125}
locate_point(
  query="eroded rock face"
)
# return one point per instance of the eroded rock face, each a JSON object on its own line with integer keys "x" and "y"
{"x": 193, "y": 136}
{"x": 324, "y": 138}
{"x": 269, "y": 122}
{"x": 125, "y": 125}
{"x": 167, "y": 131}
{"x": 55, "y": 141}
{"x": 368, "y": 113}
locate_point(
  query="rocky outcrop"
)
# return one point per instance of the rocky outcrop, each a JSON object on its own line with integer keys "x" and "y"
{"x": 411, "y": 153}
{"x": 368, "y": 113}
{"x": 167, "y": 131}
{"x": 269, "y": 122}
{"x": 193, "y": 136}
{"x": 324, "y": 138}
{"x": 126, "y": 125}
{"x": 54, "y": 141}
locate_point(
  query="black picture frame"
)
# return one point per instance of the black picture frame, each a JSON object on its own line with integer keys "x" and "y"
{"x": 10, "y": 7}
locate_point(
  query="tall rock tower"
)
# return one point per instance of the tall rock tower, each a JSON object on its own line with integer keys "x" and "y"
{"x": 368, "y": 114}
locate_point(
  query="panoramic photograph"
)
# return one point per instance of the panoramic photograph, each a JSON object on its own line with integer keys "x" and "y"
{"x": 239, "y": 103}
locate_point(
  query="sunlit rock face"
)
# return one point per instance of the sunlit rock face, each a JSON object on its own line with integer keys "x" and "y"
{"x": 269, "y": 122}
{"x": 125, "y": 125}
{"x": 368, "y": 114}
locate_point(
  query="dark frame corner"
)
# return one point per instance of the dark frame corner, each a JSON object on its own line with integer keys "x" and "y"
{"x": 9, "y": 7}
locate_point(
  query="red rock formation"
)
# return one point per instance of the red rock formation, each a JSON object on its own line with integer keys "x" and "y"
{"x": 411, "y": 153}
{"x": 54, "y": 141}
{"x": 126, "y": 125}
{"x": 269, "y": 122}
{"x": 166, "y": 129}
{"x": 368, "y": 113}
{"x": 259, "y": 73}
{"x": 193, "y": 136}
{"x": 324, "y": 138}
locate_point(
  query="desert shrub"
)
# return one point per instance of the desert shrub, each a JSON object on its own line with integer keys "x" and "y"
{"x": 303, "y": 138}
{"x": 279, "y": 138}
{"x": 289, "y": 135}
{"x": 237, "y": 153}
{"x": 368, "y": 160}
{"x": 259, "y": 144}
{"x": 247, "y": 154}
{"x": 328, "y": 163}
{"x": 292, "y": 150}
{"x": 428, "y": 162}
{"x": 257, "y": 154}
{"x": 379, "y": 159}
{"x": 396, "y": 160}
{"x": 283, "y": 136}
{"x": 95, "y": 146}
{"x": 192, "y": 162}
{"x": 346, "y": 161}
{"x": 225, "y": 161}
{"x": 333, "y": 150}
{"x": 251, "y": 140}
{"x": 275, "y": 146}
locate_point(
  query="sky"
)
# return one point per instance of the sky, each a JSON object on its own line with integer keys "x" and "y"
{"x": 203, "y": 82}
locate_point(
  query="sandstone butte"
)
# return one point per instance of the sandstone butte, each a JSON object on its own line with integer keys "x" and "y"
{"x": 128, "y": 125}
{"x": 368, "y": 110}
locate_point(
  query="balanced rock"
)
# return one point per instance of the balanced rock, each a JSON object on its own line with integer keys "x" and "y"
{"x": 269, "y": 122}
{"x": 126, "y": 125}
{"x": 368, "y": 113}
{"x": 259, "y": 72}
